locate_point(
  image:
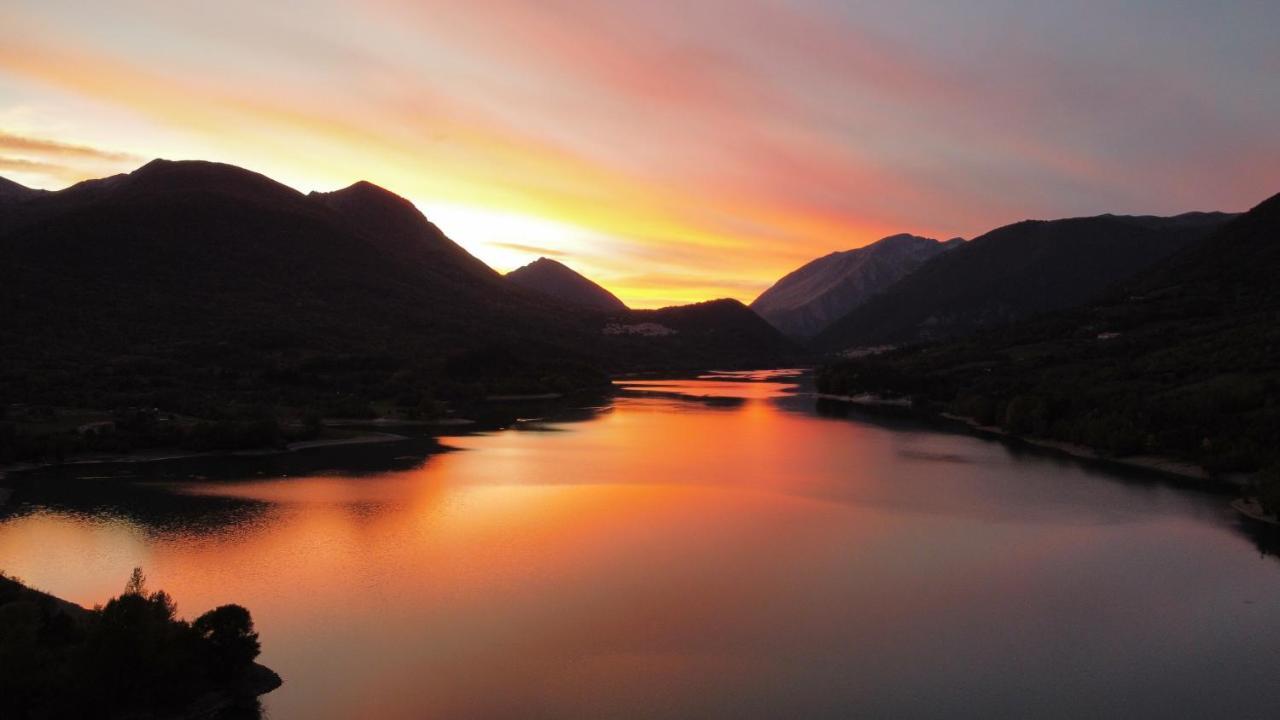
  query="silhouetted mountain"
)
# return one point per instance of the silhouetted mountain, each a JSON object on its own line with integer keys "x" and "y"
{"x": 395, "y": 226}
{"x": 701, "y": 334}
{"x": 199, "y": 287}
{"x": 9, "y": 187}
{"x": 555, "y": 279}
{"x": 11, "y": 192}
{"x": 807, "y": 300}
{"x": 1179, "y": 361}
{"x": 1014, "y": 272}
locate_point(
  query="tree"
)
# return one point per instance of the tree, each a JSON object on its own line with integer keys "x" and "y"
{"x": 137, "y": 584}
{"x": 131, "y": 657}
{"x": 228, "y": 631}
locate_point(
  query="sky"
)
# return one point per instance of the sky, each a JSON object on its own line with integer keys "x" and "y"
{"x": 672, "y": 151}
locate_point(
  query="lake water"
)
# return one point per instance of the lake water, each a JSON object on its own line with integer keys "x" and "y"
{"x": 694, "y": 548}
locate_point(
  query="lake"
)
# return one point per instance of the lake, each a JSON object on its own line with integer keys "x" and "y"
{"x": 717, "y": 547}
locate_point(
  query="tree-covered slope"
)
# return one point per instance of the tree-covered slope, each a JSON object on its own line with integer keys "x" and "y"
{"x": 1181, "y": 361}
{"x": 1014, "y": 272}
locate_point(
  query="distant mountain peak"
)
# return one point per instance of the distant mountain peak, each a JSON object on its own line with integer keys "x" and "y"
{"x": 394, "y": 223}
{"x": 902, "y": 239}
{"x": 186, "y": 177}
{"x": 546, "y": 264}
{"x": 202, "y": 176}
{"x": 363, "y": 191}
{"x": 369, "y": 202}
{"x": 806, "y": 300}
{"x": 554, "y": 278}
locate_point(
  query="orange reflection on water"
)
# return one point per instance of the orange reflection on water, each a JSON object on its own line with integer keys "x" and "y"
{"x": 673, "y": 557}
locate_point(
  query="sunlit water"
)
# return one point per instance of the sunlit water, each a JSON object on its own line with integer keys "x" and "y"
{"x": 706, "y": 548}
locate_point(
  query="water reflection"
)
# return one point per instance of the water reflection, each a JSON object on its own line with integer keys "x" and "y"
{"x": 674, "y": 558}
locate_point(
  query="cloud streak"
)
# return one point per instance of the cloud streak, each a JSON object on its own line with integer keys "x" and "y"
{"x": 532, "y": 249}
{"x": 49, "y": 148}
{"x": 39, "y": 161}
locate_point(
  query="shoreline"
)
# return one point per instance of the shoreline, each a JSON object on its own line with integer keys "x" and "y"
{"x": 256, "y": 681}
{"x": 1250, "y": 508}
{"x": 1155, "y": 463}
{"x": 523, "y": 398}
{"x": 368, "y": 438}
{"x": 866, "y": 399}
{"x": 365, "y": 439}
{"x": 1247, "y": 507}
{"x": 252, "y": 682}
{"x": 393, "y": 422}
{"x": 1150, "y": 463}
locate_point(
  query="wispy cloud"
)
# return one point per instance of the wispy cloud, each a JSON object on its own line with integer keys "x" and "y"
{"x": 728, "y": 140}
{"x": 531, "y": 249}
{"x": 40, "y": 147}
{"x": 40, "y": 161}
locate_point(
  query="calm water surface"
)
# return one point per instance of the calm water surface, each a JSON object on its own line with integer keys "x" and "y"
{"x": 697, "y": 548}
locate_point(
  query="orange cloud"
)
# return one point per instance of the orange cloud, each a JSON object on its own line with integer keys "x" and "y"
{"x": 727, "y": 140}
{"x": 535, "y": 177}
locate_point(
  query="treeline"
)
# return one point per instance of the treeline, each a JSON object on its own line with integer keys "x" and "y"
{"x": 250, "y": 403}
{"x": 132, "y": 657}
{"x": 224, "y": 380}
{"x": 46, "y": 434}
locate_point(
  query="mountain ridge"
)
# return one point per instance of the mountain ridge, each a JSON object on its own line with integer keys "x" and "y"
{"x": 1015, "y": 271}
{"x": 806, "y": 300}
{"x": 1176, "y": 362}
{"x": 395, "y": 225}
{"x": 204, "y": 288}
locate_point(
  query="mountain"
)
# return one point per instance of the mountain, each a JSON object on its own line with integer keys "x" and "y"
{"x": 11, "y": 192}
{"x": 207, "y": 289}
{"x": 395, "y": 226}
{"x": 1179, "y": 361}
{"x": 9, "y": 188}
{"x": 809, "y": 298}
{"x": 557, "y": 280}
{"x": 700, "y": 335}
{"x": 1013, "y": 272}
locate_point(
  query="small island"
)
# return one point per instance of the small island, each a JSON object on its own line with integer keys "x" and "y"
{"x": 132, "y": 657}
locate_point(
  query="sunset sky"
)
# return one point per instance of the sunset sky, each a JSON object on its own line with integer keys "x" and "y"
{"x": 672, "y": 151}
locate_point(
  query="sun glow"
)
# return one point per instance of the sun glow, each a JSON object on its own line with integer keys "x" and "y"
{"x": 507, "y": 240}
{"x": 671, "y": 157}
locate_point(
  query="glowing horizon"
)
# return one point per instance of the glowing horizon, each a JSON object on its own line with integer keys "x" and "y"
{"x": 671, "y": 157}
